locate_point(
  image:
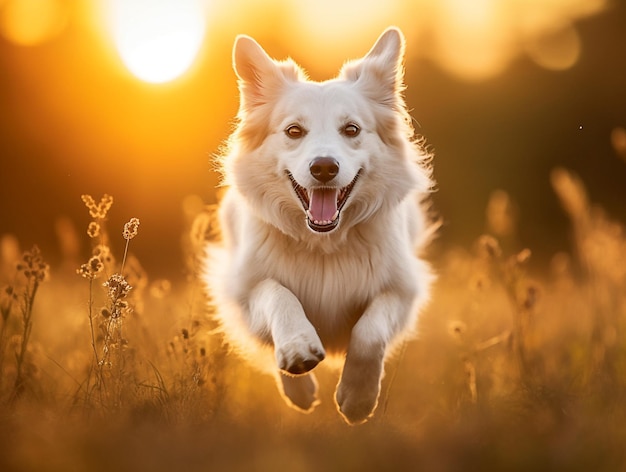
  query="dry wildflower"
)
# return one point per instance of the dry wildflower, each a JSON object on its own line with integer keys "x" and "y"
{"x": 131, "y": 228}
{"x": 120, "y": 306}
{"x": 117, "y": 287}
{"x": 93, "y": 230}
{"x": 98, "y": 210}
{"x": 103, "y": 252}
{"x": 88, "y": 201}
{"x": 35, "y": 270}
{"x": 9, "y": 291}
{"x": 32, "y": 265}
{"x": 91, "y": 269}
{"x": 7, "y": 297}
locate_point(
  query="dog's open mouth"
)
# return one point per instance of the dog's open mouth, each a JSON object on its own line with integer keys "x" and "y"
{"x": 322, "y": 205}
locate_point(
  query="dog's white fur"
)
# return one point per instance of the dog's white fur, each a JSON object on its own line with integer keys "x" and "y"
{"x": 279, "y": 286}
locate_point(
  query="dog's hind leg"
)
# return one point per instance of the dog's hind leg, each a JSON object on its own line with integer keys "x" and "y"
{"x": 300, "y": 392}
{"x": 359, "y": 387}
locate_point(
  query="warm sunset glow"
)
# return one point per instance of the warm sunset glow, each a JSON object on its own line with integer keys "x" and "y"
{"x": 330, "y": 29}
{"x": 31, "y": 22}
{"x": 157, "y": 40}
{"x": 471, "y": 39}
{"x": 112, "y": 353}
{"x": 477, "y": 39}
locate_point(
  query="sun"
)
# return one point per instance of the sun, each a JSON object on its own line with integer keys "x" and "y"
{"x": 157, "y": 40}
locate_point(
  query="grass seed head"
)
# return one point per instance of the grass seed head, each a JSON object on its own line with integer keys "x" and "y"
{"x": 131, "y": 229}
{"x": 93, "y": 230}
{"x": 98, "y": 211}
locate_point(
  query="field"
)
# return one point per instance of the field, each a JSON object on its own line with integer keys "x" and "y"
{"x": 519, "y": 364}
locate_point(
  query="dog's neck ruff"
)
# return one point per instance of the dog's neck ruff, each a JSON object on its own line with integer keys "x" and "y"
{"x": 322, "y": 205}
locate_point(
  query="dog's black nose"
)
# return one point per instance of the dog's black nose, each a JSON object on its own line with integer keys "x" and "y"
{"x": 324, "y": 169}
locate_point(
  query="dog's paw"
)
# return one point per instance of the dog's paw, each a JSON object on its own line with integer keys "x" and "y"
{"x": 356, "y": 406}
{"x": 300, "y": 392}
{"x": 358, "y": 390}
{"x": 300, "y": 354}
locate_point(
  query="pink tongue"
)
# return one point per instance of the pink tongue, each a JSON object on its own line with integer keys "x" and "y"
{"x": 323, "y": 203}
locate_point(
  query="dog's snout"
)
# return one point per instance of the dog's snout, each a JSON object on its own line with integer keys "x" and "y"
{"x": 324, "y": 169}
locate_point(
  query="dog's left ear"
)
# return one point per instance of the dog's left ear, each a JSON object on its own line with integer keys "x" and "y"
{"x": 380, "y": 73}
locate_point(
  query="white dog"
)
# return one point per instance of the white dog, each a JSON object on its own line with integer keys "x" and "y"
{"x": 321, "y": 223}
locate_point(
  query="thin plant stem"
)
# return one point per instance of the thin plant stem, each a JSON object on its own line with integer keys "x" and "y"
{"x": 124, "y": 258}
{"x": 93, "y": 336}
{"x": 27, "y": 313}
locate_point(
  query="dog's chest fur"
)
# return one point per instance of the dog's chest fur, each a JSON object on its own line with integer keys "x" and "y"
{"x": 334, "y": 288}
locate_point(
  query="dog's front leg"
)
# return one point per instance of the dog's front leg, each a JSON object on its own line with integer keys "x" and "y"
{"x": 276, "y": 311}
{"x": 359, "y": 387}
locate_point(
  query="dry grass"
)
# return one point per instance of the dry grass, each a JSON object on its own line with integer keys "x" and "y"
{"x": 113, "y": 370}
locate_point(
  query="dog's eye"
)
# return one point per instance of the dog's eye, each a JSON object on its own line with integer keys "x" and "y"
{"x": 351, "y": 130}
{"x": 294, "y": 131}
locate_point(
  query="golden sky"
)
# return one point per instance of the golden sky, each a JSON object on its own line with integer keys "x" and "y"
{"x": 133, "y": 97}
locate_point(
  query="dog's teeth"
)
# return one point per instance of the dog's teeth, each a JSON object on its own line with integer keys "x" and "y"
{"x": 322, "y": 222}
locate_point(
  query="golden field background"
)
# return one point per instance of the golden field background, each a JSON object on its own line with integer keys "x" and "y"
{"x": 510, "y": 370}
{"x": 520, "y": 359}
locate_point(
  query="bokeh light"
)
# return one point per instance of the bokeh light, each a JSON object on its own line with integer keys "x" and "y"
{"x": 471, "y": 39}
{"x": 157, "y": 40}
{"x": 558, "y": 49}
{"x": 618, "y": 140}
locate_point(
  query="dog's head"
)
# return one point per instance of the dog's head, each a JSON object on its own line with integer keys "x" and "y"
{"x": 320, "y": 157}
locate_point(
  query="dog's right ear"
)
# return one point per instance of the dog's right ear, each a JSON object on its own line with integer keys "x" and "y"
{"x": 260, "y": 77}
